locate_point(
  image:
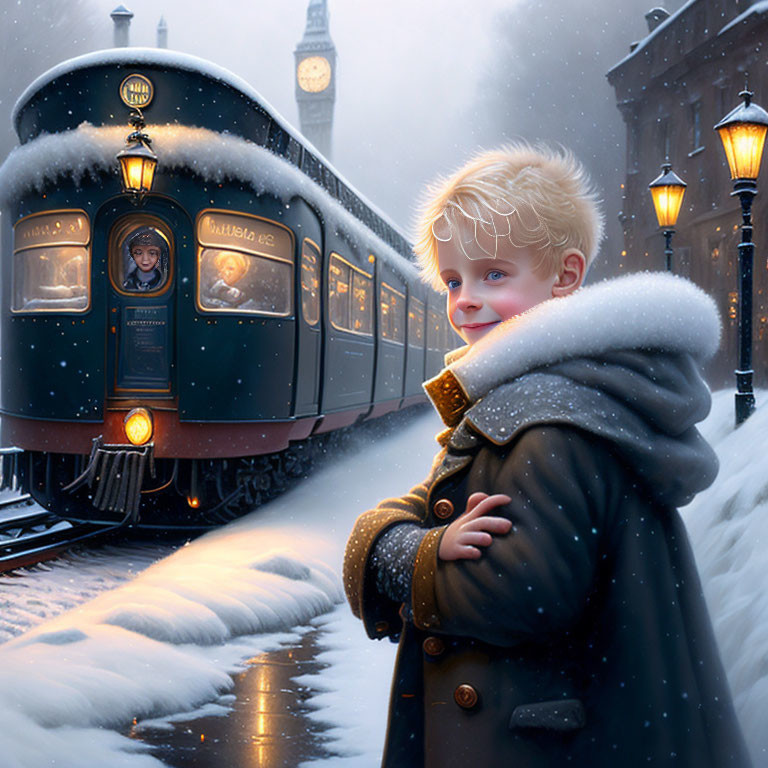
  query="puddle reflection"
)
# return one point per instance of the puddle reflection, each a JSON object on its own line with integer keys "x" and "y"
{"x": 267, "y": 727}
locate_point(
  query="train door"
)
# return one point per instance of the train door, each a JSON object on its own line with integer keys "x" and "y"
{"x": 308, "y": 314}
{"x": 142, "y": 248}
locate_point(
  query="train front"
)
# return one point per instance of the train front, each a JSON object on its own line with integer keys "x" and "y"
{"x": 147, "y": 337}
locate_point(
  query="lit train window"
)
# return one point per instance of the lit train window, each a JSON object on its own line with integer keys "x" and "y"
{"x": 239, "y": 282}
{"x": 416, "y": 323}
{"x": 144, "y": 260}
{"x": 310, "y": 282}
{"x": 140, "y": 255}
{"x": 392, "y": 314}
{"x": 350, "y": 297}
{"x": 361, "y": 308}
{"x": 51, "y": 262}
{"x": 434, "y": 330}
{"x": 245, "y": 264}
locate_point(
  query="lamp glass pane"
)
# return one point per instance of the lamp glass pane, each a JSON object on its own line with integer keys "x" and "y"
{"x": 148, "y": 173}
{"x": 743, "y": 144}
{"x": 667, "y": 201}
{"x": 124, "y": 172}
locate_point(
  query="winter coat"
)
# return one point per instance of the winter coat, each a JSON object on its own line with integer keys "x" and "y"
{"x": 132, "y": 282}
{"x": 582, "y": 636}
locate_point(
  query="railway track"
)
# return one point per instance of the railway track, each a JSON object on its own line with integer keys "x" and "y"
{"x": 30, "y": 535}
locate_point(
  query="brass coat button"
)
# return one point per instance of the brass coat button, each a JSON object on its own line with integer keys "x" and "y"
{"x": 433, "y": 646}
{"x": 465, "y": 696}
{"x": 381, "y": 626}
{"x": 443, "y": 509}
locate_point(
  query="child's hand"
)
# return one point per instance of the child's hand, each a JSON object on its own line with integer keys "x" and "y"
{"x": 473, "y": 528}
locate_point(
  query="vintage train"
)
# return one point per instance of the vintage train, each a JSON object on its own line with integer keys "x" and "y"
{"x": 173, "y": 346}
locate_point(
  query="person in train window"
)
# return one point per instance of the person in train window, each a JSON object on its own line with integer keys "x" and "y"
{"x": 540, "y": 580}
{"x": 231, "y": 267}
{"x": 147, "y": 265}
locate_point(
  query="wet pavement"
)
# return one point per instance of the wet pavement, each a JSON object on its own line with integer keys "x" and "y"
{"x": 267, "y": 726}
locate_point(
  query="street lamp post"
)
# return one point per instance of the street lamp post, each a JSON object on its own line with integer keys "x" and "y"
{"x": 743, "y": 132}
{"x": 667, "y": 192}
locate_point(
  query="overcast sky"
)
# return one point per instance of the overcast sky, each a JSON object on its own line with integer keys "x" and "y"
{"x": 405, "y": 69}
{"x": 408, "y": 75}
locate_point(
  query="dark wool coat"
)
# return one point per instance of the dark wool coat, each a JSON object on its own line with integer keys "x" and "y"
{"x": 581, "y": 637}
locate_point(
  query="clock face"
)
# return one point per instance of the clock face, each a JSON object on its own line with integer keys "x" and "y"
{"x": 314, "y": 74}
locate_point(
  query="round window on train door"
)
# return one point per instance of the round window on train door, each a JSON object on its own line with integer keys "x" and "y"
{"x": 141, "y": 256}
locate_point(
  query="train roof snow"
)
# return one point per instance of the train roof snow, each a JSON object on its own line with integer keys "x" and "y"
{"x": 195, "y": 101}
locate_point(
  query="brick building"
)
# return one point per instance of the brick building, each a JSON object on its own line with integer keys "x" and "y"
{"x": 671, "y": 89}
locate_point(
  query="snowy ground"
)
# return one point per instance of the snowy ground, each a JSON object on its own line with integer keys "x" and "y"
{"x": 168, "y": 640}
{"x": 31, "y": 596}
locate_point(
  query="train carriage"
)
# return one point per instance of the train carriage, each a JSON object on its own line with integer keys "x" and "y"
{"x": 166, "y": 353}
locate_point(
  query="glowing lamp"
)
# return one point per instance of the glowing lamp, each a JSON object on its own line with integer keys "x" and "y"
{"x": 137, "y": 167}
{"x": 137, "y": 160}
{"x": 138, "y": 426}
{"x": 194, "y": 503}
{"x": 667, "y": 191}
{"x": 742, "y": 132}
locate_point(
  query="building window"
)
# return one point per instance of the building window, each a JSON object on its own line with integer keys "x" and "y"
{"x": 664, "y": 137}
{"x": 633, "y": 161}
{"x": 696, "y": 141}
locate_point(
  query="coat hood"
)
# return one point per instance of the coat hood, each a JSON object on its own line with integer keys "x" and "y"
{"x": 619, "y": 359}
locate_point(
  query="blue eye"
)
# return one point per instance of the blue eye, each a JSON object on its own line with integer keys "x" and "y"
{"x": 495, "y": 274}
{"x": 452, "y": 283}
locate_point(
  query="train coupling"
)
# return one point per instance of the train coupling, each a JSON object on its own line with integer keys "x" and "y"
{"x": 115, "y": 474}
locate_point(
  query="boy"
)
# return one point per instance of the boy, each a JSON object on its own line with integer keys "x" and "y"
{"x": 231, "y": 267}
{"x": 568, "y": 625}
{"x": 146, "y": 248}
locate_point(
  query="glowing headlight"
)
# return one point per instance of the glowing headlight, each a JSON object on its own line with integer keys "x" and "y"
{"x": 138, "y": 426}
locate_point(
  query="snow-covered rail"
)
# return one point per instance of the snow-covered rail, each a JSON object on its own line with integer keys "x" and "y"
{"x": 29, "y": 534}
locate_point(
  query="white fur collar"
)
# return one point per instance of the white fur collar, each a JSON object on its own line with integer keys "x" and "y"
{"x": 645, "y": 310}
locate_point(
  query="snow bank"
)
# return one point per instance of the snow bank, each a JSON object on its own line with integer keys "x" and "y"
{"x": 728, "y": 528}
{"x": 358, "y": 713}
{"x": 167, "y": 641}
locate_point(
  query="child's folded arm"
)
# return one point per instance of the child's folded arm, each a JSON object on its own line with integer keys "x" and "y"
{"x": 378, "y": 611}
{"x": 534, "y": 581}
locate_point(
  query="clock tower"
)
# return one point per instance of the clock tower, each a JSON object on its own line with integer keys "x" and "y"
{"x": 315, "y": 58}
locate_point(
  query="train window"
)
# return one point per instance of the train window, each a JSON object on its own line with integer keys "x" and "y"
{"x": 310, "y": 282}
{"x": 392, "y": 314}
{"x": 239, "y": 282}
{"x": 144, "y": 260}
{"x": 434, "y": 335}
{"x": 140, "y": 255}
{"x": 51, "y": 262}
{"x": 361, "y": 309}
{"x": 350, "y": 297}
{"x": 448, "y": 339}
{"x": 416, "y": 323}
{"x": 245, "y": 264}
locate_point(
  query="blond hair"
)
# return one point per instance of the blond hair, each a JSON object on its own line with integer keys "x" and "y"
{"x": 524, "y": 195}
{"x": 239, "y": 261}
